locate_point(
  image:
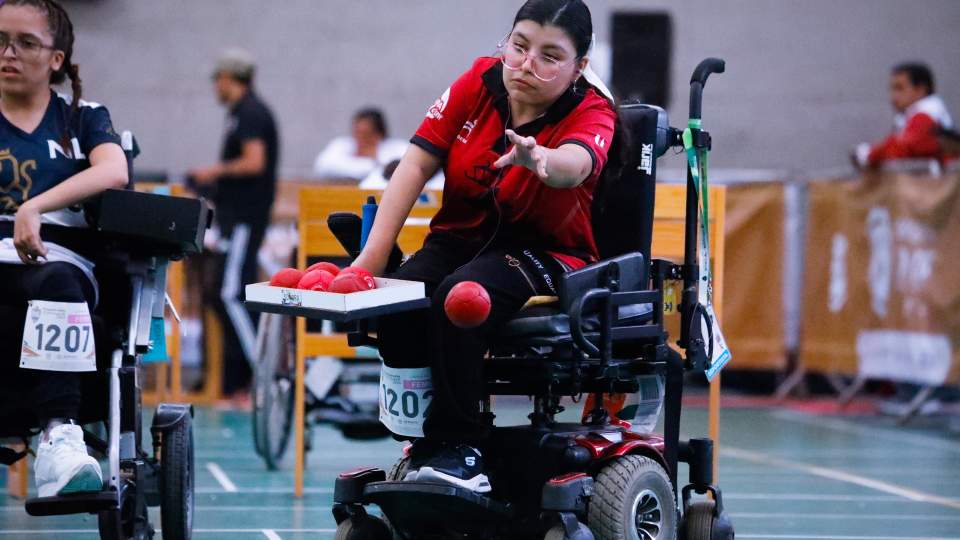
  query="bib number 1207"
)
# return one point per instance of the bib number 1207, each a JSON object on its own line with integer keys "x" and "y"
{"x": 53, "y": 338}
{"x": 58, "y": 336}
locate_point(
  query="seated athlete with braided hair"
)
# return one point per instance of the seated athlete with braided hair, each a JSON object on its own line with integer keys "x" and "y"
{"x": 55, "y": 152}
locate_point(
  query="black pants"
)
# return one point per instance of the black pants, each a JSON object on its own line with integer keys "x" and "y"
{"x": 235, "y": 268}
{"x": 511, "y": 275}
{"x": 51, "y": 394}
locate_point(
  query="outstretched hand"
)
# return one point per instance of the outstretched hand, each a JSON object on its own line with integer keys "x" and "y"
{"x": 525, "y": 153}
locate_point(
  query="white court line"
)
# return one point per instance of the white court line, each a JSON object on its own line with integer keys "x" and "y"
{"x": 225, "y": 508}
{"x": 835, "y": 474}
{"x": 833, "y": 537}
{"x": 271, "y": 534}
{"x": 268, "y": 490}
{"x": 46, "y": 531}
{"x": 221, "y": 478}
{"x": 749, "y": 475}
{"x": 871, "y": 432}
{"x": 258, "y": 532}
{"x": 820, "y": 515}
{"x": 810, "y": 497}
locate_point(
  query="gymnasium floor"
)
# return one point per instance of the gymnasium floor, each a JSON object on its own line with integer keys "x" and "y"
{"x": 787, "y": 473}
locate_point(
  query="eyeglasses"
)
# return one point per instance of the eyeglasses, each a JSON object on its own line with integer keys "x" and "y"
{"x": 544, "y": 67}
{"x": 23, "y": 46}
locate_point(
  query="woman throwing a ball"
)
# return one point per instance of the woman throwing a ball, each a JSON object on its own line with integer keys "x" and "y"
{"x": 522, "y": 139}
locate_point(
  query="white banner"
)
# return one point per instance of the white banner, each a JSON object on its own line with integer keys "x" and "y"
{"x": 904, "y": 356}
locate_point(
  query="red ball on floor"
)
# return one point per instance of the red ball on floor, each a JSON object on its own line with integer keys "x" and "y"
{"x": 467, "y": 304}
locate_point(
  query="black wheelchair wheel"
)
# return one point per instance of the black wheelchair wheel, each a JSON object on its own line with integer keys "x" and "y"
{"x": 399, "y": 470}
{"x": 273, "y": 389}
{"x": 698, "y": 522}
{"x": 633, "y": 500}
{"x": 366, "y": 528}
{"x": 176, "y": 482}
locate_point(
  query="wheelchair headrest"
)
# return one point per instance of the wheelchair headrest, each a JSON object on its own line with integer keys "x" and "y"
{"x": 623, "y": 203}
{"x": 637, "y": 118}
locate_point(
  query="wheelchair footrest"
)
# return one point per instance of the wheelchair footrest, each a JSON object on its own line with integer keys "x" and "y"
{"x": 411, "y": 506}
{"x": 79, "y": 503}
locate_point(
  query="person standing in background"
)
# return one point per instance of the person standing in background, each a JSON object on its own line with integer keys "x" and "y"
{"x": 244, "y": 183}
{"x": 921, "y": 113}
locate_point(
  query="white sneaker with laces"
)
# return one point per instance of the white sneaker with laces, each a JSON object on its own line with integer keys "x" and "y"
{"x": 63, "y": 465}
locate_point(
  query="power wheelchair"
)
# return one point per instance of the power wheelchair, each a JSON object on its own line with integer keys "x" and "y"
{"x": 132, "y": 239}
{"x": 596, "y": 479}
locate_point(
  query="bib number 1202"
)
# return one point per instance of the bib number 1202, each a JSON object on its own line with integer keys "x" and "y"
{"x": 406, "y": 403}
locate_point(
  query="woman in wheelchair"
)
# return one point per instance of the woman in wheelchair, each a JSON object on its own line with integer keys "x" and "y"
{"x": 55, "y": 152}
{"x": 523, "y": 139}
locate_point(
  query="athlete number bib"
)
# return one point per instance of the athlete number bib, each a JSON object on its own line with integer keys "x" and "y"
{"x": 58, "y": 336}
{"x": 405, "y": 396}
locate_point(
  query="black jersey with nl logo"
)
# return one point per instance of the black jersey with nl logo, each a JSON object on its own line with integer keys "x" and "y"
{"x": 31, "y": 163}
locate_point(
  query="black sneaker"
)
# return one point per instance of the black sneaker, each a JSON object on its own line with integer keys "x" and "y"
{"x": 421, "y": 451}
{"x": 458, "y": 465}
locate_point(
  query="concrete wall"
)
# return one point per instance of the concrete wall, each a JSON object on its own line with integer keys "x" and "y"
{"x": 805, "y": 80}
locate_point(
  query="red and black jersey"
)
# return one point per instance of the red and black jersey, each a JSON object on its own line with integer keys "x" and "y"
{"x": 465, "y": 128}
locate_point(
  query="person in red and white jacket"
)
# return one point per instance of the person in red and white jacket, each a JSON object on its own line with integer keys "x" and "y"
{"x": 920, "y": 115}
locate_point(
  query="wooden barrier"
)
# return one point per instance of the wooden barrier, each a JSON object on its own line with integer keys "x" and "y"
{"x": 316, "y": 203}
{"x": 882, "y": 281}
{"x": 755, "y": 240}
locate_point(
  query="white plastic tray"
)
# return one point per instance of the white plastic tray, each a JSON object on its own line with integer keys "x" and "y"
{"x": 390, "y": 296}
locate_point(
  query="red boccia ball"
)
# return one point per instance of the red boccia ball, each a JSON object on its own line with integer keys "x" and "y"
{"x": 288, "y": 277}
{"x": 467, "y": 304}
{"x": 349, "y": 283}
{"x": 328, "y": 266}
{"x": 315, "y": 280}
{"x": 363, "y": 273}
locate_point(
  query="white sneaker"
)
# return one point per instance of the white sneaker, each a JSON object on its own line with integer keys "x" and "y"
{"x": 63, "y": 466}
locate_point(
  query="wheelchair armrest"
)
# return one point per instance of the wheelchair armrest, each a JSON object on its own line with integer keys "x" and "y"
{"x": 576, "y": 319}
{"x": 150, "y": 223}
{"x": 624, "y": 273}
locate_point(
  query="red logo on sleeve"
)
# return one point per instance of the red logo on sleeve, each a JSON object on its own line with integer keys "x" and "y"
{"x": 435, "y": 112}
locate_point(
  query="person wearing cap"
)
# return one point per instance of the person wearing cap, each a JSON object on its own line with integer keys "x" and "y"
{"x": 243, "y": 184}
{"x": 524, "y": 139}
